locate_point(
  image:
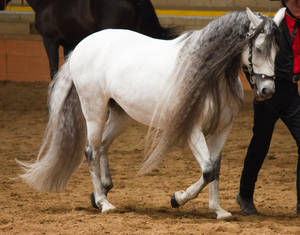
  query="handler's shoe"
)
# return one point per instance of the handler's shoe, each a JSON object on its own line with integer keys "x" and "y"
{"x": 247, "y": 206}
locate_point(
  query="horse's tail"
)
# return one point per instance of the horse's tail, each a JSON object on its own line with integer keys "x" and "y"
{"x": 148, "y": 22}
{"x": 62, "y": 150}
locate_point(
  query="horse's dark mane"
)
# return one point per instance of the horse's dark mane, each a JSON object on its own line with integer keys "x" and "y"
{"x": 217, "y": 55}
{"x": 209, "y": 61}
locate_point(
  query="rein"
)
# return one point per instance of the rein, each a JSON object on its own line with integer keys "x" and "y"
{"x": 251, "y": 36}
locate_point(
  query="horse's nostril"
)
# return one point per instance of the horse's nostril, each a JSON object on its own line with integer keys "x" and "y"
{"x": 264, "y": 91}
{"x": 267, "y": 91}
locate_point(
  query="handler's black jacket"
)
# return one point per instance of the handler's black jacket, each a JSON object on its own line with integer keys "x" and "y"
{"x": 284, "y": 64}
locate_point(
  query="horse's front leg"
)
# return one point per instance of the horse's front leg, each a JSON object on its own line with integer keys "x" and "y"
{"x": 200, "y": 150}
{"x": 210, "y": 164}
{"x": 215, "y": 145}
{"x": 214, "y": 204}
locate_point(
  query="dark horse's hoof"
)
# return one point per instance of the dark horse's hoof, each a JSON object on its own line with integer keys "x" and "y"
{"x": 93, "y": 201}
{"x": 174, "y": 203}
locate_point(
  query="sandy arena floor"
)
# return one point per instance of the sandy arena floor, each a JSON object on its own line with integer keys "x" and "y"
{"x": 143, "y": 202}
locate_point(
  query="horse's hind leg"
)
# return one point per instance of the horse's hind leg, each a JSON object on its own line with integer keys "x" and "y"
{"x": 95, "y": 116}
{"x": 116, "y": 124}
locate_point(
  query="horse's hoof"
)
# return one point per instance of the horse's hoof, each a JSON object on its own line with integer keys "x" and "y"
{"x": 174, "y": 203}
{"x": 224, "y": 215}
{"x": 107, "y": 207}
{"x": 93, "y": 201}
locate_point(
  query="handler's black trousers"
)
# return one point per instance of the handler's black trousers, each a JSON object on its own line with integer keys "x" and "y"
{"x": 266, "y": 113}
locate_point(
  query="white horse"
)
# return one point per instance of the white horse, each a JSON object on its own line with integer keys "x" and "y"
{"x": 187, "y": 89}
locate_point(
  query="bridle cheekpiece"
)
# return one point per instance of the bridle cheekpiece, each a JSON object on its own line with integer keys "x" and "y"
{"x": 251, "y": 36}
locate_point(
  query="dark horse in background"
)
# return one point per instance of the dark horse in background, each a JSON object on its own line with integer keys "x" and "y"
{"x": 67, "y": 22}
{"x": 3, "y": 4}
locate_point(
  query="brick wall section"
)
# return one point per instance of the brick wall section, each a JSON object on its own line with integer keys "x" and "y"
{"x": 24, "y": 60}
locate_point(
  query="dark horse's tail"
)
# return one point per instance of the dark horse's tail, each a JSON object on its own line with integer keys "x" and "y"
{"x": 149, "y": 23}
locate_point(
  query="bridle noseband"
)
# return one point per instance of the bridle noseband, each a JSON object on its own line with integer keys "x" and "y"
{"x": 251, "y": 36}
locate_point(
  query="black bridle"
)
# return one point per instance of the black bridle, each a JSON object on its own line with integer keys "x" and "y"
{"x": 251, "y": 36}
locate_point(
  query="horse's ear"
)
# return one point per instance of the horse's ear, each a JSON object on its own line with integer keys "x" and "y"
{"x": 279, "y": 16}
{"x": 253, "y": 18}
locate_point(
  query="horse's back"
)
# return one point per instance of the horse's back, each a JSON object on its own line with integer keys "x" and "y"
{"x": 113, "y": 49}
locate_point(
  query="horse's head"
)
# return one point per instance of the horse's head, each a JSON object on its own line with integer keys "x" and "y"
{"x": 260, "y": 52}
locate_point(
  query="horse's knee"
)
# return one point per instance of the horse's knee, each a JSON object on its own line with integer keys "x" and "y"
{"x": 211, "y": 175}
{"x": 212, "y": 171}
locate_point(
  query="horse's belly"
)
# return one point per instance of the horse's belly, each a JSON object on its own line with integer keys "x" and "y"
{"x": 138, "y": 93}
{"x": 138, "y": 106}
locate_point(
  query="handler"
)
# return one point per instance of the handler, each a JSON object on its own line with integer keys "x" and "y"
{"x": 285, "y": 104}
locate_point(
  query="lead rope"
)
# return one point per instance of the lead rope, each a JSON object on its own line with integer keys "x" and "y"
{"x": 252, "y": 35}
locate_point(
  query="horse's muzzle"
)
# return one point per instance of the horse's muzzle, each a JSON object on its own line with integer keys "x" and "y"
{"x": 266, "y": 92}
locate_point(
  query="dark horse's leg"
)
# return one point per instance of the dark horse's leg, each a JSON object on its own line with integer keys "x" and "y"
{"x": 2, "y": 5}
{"x": 52, "y": 52}
{"x": 148, "y": 23}
{"x": 67, "y": 50}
